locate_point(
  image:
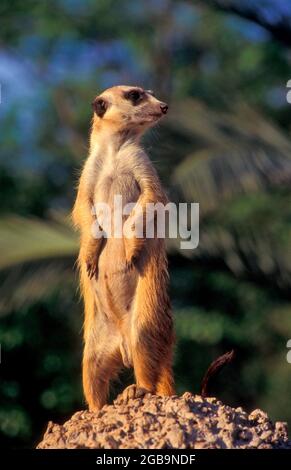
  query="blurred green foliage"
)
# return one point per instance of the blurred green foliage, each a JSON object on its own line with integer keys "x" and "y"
{"x": 223, "y": 66}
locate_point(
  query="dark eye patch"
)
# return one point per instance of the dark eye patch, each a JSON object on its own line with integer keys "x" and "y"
{"x": 135, "y": 96}
{"x": 100, "y": 106}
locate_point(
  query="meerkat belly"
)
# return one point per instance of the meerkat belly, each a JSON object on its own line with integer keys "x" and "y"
{"x": 116, "y": 284}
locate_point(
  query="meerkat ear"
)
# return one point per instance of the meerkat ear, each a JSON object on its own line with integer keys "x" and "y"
{"x": 100, "y": 106}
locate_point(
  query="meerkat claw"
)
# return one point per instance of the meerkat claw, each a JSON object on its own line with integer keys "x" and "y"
{"x": 92, "y": 271}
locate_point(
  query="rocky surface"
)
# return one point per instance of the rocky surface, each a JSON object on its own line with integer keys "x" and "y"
{"x": 154, "y": 422}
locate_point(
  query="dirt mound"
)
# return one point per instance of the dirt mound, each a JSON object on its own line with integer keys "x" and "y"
{"x": 154, "y": 422}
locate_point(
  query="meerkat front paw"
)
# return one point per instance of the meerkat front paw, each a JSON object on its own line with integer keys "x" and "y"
{"x": 130, "y": 393}
{"x": 92, "y": 266}
{"x": 92, "y": 270}
{"x": 130, "y": 256}
{"x": 91, "y": 256}
{"x": 130, "y": 263}
{"x": 133, "y": 248}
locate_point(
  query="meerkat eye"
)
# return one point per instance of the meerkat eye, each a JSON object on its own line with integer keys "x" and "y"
{"x": 100, "y": 106}
{"x": 135, "y": 96}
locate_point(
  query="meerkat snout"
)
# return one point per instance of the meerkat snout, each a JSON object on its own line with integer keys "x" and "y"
{"x": 164, "y": 108}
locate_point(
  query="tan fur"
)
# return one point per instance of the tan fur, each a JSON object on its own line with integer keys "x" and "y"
{"x": 128, "y": 319}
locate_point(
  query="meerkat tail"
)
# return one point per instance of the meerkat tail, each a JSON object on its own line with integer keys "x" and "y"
{"x": 215, "y": 367}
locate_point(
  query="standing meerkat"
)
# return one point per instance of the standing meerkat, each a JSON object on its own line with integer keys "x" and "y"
{"x": 128, "y": 319}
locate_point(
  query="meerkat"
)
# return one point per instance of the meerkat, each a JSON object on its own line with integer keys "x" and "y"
{"x": 124, "y": 281}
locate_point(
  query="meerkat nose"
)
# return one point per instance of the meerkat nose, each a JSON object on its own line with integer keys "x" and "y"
{"x": 164, "y": 108}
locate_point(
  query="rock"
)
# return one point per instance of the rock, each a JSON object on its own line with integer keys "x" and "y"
{"x": 187, "y": 422}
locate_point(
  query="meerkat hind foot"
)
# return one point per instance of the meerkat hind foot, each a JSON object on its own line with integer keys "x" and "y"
{"x": 95, "y": 408}
{"x": 130, "y": 393}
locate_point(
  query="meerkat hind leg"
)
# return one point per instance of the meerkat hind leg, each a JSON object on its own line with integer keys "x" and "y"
{"x": 101, "y": 363}
{"x": 165, "y": 383}
{"x": 152, "y": 343}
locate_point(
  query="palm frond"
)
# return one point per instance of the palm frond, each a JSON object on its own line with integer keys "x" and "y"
{"x": 26, "y": 284}
{"x": 27, "y": 239}
{"x": 251, "y": 235}
{"x": 242, "y": 153}
{"x": 37, "y": 258}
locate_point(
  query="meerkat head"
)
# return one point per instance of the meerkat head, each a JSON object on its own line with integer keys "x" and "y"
{"x": 127, "y": 108}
